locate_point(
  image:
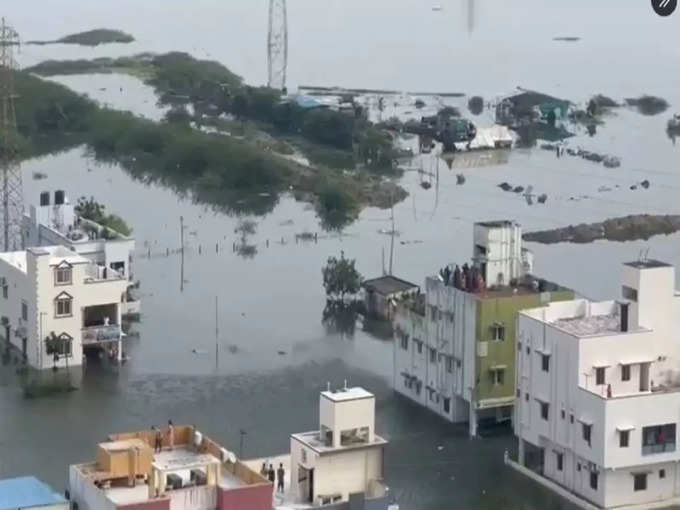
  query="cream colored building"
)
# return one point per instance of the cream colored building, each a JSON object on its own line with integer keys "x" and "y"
{"x": 55, "y": 304}
{"x": 343, "y": 457}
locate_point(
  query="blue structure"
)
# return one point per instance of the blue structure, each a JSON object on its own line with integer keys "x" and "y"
{"x": 26, "y": 493}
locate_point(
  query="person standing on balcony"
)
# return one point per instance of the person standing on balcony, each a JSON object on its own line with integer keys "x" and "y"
{"x": 171, "y": 435}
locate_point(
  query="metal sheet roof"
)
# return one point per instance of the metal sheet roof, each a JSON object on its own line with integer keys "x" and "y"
{"x": 26, "y": 492}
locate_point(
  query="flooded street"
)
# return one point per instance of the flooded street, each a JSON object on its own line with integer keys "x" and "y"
{"x": 274, "y": 353}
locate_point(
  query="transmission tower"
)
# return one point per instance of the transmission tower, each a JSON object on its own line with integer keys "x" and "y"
{"x": 277, "y": 44}
{"x": 11, "y": 193}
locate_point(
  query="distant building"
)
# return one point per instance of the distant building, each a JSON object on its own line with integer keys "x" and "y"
{"x": 527, "y": 106}
{"x": 55, "y": 304}
{"x": 29, "y": 493}
{"x": 455, "y": 345}
{"x": 54, "y": 222}
{"x": 381, "y": 295}
{"x": 340, "y": 466}
{"x": 196, "y": 473}
{"x": 598, "y": 387}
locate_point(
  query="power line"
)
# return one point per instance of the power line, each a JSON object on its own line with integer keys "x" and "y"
{"x": 11, "y": 193}
{"x": 277, "y": 44}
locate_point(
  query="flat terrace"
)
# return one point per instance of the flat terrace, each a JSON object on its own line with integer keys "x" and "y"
{"x": 590, "y": 325}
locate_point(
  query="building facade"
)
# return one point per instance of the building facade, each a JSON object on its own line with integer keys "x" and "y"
{"x": 54, "y": 222}
{"x": 454, "y": 350}
{"x": 598, "y": 391}
{"x": 29, "y": 493}
{"x": 55, "y": 304}
{"x": 190, "y": 472}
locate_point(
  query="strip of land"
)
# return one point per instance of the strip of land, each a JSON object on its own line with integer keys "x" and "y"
{"x": 628, "y": 228}
{"x": 91, "y": 38}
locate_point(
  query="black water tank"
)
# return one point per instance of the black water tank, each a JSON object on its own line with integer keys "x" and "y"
{"x": 59, "y": 197}
{"x": 45, "y": 198}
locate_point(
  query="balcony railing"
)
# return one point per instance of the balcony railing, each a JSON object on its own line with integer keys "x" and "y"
{"x": 100, "y": 334}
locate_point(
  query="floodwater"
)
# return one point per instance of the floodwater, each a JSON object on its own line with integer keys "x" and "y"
{"x": 274, "y": 354}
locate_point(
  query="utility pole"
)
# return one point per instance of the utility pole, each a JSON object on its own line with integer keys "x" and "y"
{"x": 11, "y": 194}
{"x": 277, "y": 44}
{"x": 217, "y": 337}
{"x": 181, "y": 250}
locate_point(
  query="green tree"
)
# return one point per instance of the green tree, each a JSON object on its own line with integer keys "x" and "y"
{"x": 341, "y": 278}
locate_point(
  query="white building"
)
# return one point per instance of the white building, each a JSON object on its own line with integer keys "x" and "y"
{"x": 340, "y": 465}
{"x": 54, "y": 293}
{"x": 598, "y": 391}
{"x": 54, "y": 222}
{"x": 454, "y": 351}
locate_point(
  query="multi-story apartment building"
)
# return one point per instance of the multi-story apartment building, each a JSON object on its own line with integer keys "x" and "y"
{"x": 598, "y": 391}
{"x": 54, "y": 222}
{"x": 454, "y": 351}
{"x": 55, "y": 304}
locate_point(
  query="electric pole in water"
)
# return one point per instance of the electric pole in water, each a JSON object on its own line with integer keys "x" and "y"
{"x": 277, "y": 44}
{"x": 11, "y": 194}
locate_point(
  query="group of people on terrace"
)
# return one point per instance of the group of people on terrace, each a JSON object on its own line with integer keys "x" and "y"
{"x": 468, "y": 278}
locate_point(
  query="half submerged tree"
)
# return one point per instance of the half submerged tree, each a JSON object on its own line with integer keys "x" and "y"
{"x": 341, "y": 278}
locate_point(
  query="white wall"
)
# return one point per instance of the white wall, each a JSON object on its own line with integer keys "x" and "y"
{"x": 348, "y": 472}
{"x": 86, "y": 494}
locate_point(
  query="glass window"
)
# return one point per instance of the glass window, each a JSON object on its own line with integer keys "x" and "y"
{"x": 563, "y": 414}
{"x": 63, "y": 307}
{"x": 62, "y": 276}
{"x": 24, "y": 310}
{"x": 433, "y": 355}
{"x": 404, "y": 342}
{"x": 560, "y": 461}
{"x": 587, "y": 432}
{"x": 629, "y": 293}
{"x": 545, "y": 407}
{"x": 640, "y": 482}
{"x": 419, "y": 343}
{"x": 545, "y": 362}
{"x": 658, "y": 439}
{"x": 599, "y": 376}
{"x": 662, "y": 473}
{"x": 447, "y": 404}
{"x": 593, "y": 481}
{"x": 625, "y": 372}
{"x": 449, "y": 364}
{"x": 498, "y": 332}
{"x": 5, "y": 291}
{"x": 624, "y": 437}
{"x": 526, "y": 397}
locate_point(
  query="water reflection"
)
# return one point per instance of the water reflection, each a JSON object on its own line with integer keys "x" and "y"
{"x": 340, "y": 318}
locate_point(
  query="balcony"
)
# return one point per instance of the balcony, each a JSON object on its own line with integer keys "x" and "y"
{"x": 101, "y": 334}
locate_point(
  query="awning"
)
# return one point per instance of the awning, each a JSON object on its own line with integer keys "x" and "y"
{"x": 637, "y": 361}
{"x": 624, "y": 428}
{"x": 497, "y": 367}
{"x": 586, "y": 421}
{"x": 542, "y": 399}
{"x": 543, "y": 352}
{"x": 601, "y": 365}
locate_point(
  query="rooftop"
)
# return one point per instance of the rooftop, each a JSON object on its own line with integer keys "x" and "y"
{"x": 590, "y": 325}
{"x": 388, "y": 284}
{"x": 17, "y": 259}
{"x": 343, "y": 395}
{"x": 496, "y": 224}
{"x": 314, "y": 441}
{"x": 57, "y": 254}
{"x": 647, "y": 264}
{"x": 27, "y": 492}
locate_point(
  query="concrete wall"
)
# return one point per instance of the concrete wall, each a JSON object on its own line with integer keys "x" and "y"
{"x": 348, "y": 471}
{"x": 86, "y": 494}
{"x": 340, "y": 416}
{"x": 257, "y": 497}
{"x": 156, "y": 504}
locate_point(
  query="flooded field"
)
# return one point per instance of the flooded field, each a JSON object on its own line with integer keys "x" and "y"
{"x": 274, "y": 352}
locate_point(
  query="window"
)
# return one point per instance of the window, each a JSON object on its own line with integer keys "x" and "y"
{"x": 587, "y": 432}
{"x": 303, "y": 457}
{"x": 640, "y": 481}
{"x": 447, "y": 404}
{"x": 498, "y": 332}
{"x": 433, "y": 355}
{"x": 519, "y": 347}
{"x": 458, "y": 363}
{"x": 419, "y": 345}
{"x": 658, "y": 439}
{"x": 599, "y": 376}
{"x": 450, "y": 315}
{"x": 63, "y": 305}
{"x": 571, "y": 418}
{"x": 24, "y": 310}
{"x": 563, "y": 414}
{"x": 593, "y": 480}
{"x": 498, "y": 376}
{"x": 5, "y": 290}
{"x": 526, "y": 397}
{"x": 528, "y": 350}
{"x": 449, "y": 364}
{"x": 560, "y": 461}
{"x": 545, "y": 362}
{"x": 59, "y": 346}
{"x": 545, "y": 407}
{"x": 578, "y": 467}
{"x": 624, "y": 437}
{"x": 662, "y": 473}
{"x": 629, "y": 293}
{"x": 519, "y": 393}
{"x": 625, "y": 372}
{"x": 63, "y": 275}
{"x": 404, "y": 342}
